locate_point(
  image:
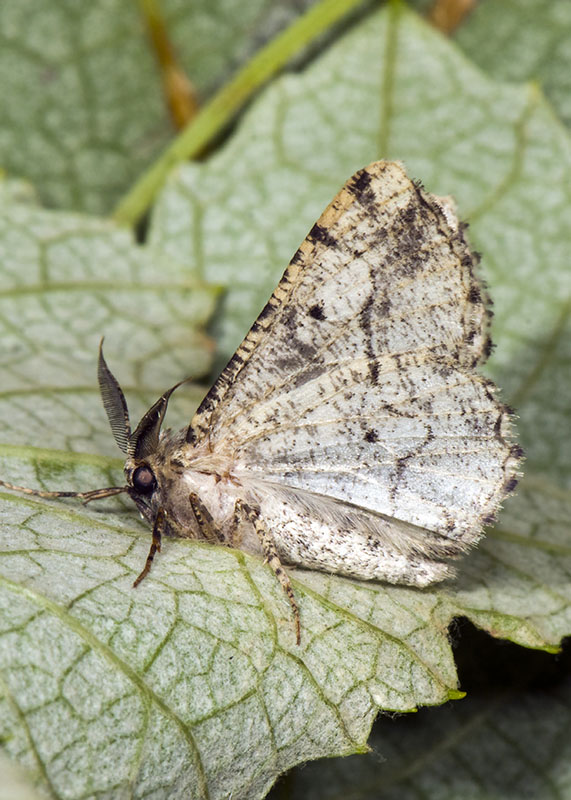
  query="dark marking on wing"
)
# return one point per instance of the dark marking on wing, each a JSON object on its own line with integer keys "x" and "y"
{"x": 316, "y": 311}
{"x": 298, "y": 256}
{"x": 365, "y": 321}
{"x": 474, "y": 295}
{"x": 509, "y": 485}
{"x": 517, "y": 451}
{"x": 319, "y": 234}
{"x": 360, "y": 188}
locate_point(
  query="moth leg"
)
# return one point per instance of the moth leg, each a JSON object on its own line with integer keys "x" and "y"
{"x": 252, "y": 514}
{"x": 86, "y": 497}
{"x": 235, "y": 536}
{"x": 208, "y": 527}
{"x": 158, "y": 530}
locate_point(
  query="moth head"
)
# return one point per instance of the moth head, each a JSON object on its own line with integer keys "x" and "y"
{"x": 142, "y": 446}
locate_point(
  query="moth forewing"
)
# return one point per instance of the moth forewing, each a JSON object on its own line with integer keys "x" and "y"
{"x": 350, "y": 432}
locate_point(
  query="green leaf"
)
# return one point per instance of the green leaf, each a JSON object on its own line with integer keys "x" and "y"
{"x": 82, "y": 109}
{"x": 512, "y": 743}
{"x": 192, "y": 685}
{"x": 523, "y": 40}
{"x": 67, "y": 280}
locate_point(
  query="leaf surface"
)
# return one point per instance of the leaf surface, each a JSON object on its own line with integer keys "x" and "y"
{"x": 510, "y": 743}
{"x": 524, "y": 40}
{"x": 82, "y": 108}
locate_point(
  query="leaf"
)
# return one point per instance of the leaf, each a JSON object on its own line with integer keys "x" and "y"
{"x": 196, "y": 673}
{"x": 529, "y": 39}
{"x": 82, "y": 110}
{"x": 68, "y": 280}
{"x": 512, "y": 743}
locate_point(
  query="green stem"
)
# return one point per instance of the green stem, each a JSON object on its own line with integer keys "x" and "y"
{"x": 219, "y": 111}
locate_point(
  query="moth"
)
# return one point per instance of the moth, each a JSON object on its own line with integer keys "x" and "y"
{"x": 351, "y": 431}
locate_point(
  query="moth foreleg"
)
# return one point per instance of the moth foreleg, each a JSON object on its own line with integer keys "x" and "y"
{"x": 208, "y": 527}
{"x": 252, "y": 514}
{"x": 158, "y": 530}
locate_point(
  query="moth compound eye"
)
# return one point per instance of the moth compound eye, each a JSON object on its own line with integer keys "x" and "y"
{"x": 144, "y": 482}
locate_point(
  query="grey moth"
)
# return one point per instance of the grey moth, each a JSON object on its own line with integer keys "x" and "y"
{"x": 351, "y": 431}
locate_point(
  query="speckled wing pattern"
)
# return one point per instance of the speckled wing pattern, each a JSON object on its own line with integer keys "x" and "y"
{"x": 357, "y": 384}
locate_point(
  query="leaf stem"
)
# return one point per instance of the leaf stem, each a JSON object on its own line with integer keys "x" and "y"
{"x": 225, "y": 104}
